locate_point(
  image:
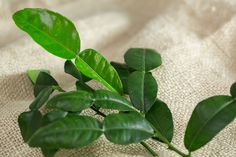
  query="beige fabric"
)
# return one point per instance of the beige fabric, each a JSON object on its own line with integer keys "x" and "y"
{"x": 195, "y": 38}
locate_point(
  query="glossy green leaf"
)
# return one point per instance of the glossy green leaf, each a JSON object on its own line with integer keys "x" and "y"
{"x": 49, "y": 152}
{"x": 233, "y": 90}
{"x": 208, "y": 118}
{"x": 142, "y": 89}
{"x": 124, "y": 72}
{"x": 71, "y": 101}
{"x": 33, "y": 74}
{"x": 110, "y": 100}
{"x": 52, "y": 116}
{"x": 71, "y": 69}
{"x": 127, "y": 128}
{"x": 83, "y": 86}
{"x": 52, "y": 31}
{"x": 43, "y": 81}
{"x": 29, "y": 122}
{"x": 161, "y": 119}
{"x": 142, "y": 59}
{"x": 94, "y": 65}
{"x": 69, "y": 132}
{"x": 41, "y": 98}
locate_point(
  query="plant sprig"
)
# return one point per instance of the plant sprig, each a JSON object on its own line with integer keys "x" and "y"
{"x": 142, "y": 117}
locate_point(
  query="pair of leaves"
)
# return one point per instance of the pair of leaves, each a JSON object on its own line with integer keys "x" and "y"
{"x": 79, "y": 100}
{"x": 58, "y": 35}
{"x": 78, "y": 131}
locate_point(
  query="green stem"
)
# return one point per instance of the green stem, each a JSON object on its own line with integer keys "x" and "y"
{"x": 151, "y": 151}
{"x": 172, "y": 147}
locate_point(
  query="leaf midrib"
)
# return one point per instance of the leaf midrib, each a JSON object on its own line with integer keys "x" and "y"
{"x": 131, "y": 129}
{"x": 210, "y": 119}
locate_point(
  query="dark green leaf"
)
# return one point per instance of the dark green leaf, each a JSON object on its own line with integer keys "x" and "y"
{"x": 142, "y": 59}
{"x": 44, "y": 80}
{"x": 52, "y": 116}
{"x": 208, "y": 118}
{"x": 49, "y": 152}
{"x": 233, "y": 90}
{"x": 33, "y": 74}
{"x": 83, "y": 86}
{"x": 124, "y": 72}
{"x": 51, "y": 30}
{"x": 71, "y": 101}
{"x": 94, "y": 65}
{"x": 69, "y": 132}
{"x": 161, "y": 119}
{"x": 71, "y": 69}
{"x": 142, "y": 89}
{"x": 110, "y": 100}
{"x": 126, "y": 128}
{"x": 29, "y": 122}
{"x": 41, "y": 98}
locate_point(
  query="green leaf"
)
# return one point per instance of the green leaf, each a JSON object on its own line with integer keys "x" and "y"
{"x": 142, "y": 59}
{"x": 208, "y": 118}
{"x": 49, "y": 152}
{"x": 71, "y": 69}
{"x": 41, "y": 98}
{"x": 33, "y": 74}
{"x": 161, "y": 119}
{"x": 142, "y": 89}
{"x": 69, "y": 132}
{"x": 71, "y": 101}
{"x": 52, "y": 116}
{"x": 43, "y": 81}
{"x": 83, "y": 86}
{"x": 233, "y": 90}
{"x": 110, "y": 100}
{"x": 94, "y": 65}
{"x": 123, "y": 72}
{"x": 29, "y": 122}
{"x": 127, "y": 128}
{"x": 52, "y": 31}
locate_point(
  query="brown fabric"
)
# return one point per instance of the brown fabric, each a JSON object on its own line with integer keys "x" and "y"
{"x": 195, "y": 38}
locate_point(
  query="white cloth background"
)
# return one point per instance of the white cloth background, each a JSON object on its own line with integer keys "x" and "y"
{"x": 195, "y": 38}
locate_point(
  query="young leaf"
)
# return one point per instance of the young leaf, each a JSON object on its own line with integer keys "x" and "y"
{"x": 49, "y": 152}
{"x": 52, "y": 116}
{"x": 71, "y": 101}
{"x": 52, "y": 31}
{"x": 110, "y": 100}
{"x": 29, "y": 122}
{"x": 41, "y": 98}
{"x": 94, "y": 65}
{"x": 142, "y": 59}
{"x": 161, "y": 119}
{"x": 33, "y": 74}
{"x": 69, "y": 132}
{"x": 142, "y": 89}
{"x": 124, "y": 72}
{"x": 127, "y": 128}
{"x": 208, "y": 118}
{"x": 233, "y": 90}
{"x": 43, "y": 81}
{"x": 83, "y": 86}
{"x": 71, "y": 69}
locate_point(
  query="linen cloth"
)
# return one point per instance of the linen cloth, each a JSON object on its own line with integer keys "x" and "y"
{"x": 196, "y": 40}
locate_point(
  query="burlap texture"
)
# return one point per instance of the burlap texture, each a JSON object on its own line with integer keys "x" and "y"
{"x": 195, "y": 38}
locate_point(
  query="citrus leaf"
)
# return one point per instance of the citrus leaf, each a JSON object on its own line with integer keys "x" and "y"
{"x": 29, "y": 122}
{"x": 83, "y": 86}
{"x": 71, "y": 101}
{"x": 69, "y": 132}
{"x": 161, "y": 119}
{"x": 127, "y": 128}
{"x": 33, "y": 74}
{"x": 142, "y": 89}
{"x": 233, "y": 90}
{"x": 52, "y": 116}
{"x": 49, "y": 152}
{"x": 111, "y": 100}
{"x": 52, "y": 31}
{"x": 94, "y": 65}
{"x": 142, "y": 59}
{"x": 208, "y": 118}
